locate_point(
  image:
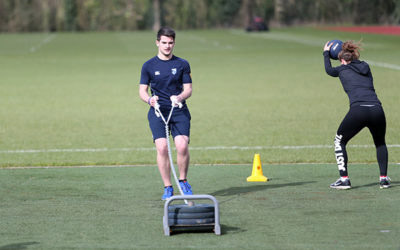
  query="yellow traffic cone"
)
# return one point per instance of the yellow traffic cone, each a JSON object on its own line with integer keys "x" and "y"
{"x": 257, "y": 174}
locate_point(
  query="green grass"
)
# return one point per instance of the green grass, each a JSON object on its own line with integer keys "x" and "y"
{"x": 120, "y": 208}
{"x": 72, "y": 98}
{"x": 69, "y": 91}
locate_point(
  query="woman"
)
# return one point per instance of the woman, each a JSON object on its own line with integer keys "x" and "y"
{"x": 365, "y": 110}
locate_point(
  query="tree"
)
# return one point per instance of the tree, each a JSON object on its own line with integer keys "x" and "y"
{"x": 71, "y": 12}
{"x": 157, "y": 15}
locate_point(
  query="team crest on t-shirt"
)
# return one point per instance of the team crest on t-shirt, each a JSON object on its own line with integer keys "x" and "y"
{"x": 173, "y": 71}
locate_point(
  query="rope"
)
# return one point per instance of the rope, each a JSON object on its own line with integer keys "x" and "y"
{"x": 167, "y": 133}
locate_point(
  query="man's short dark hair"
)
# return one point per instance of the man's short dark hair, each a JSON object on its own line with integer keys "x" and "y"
{"x": 165, "y": 31}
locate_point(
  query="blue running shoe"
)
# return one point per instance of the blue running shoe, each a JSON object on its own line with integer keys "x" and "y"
{"x": 168, "y": 192}
{"x": 186, "y": 188}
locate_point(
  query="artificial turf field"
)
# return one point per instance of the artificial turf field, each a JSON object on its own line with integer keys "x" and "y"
{"x": 120, "y": 208}
{"x": 71, "y": 99}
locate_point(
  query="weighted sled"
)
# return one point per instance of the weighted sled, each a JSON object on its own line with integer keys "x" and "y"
{"x": 191, "y": 215}
{"x": 198, "y": 208}
{"x": 190, "y": 222}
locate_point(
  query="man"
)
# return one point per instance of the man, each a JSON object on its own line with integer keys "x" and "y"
{"x": 169, "y": 78}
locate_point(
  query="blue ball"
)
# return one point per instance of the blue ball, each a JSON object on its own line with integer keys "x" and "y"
{"x": 335, "y": 49}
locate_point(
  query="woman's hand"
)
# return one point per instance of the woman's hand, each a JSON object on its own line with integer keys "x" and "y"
{"x": 327, "y": 46}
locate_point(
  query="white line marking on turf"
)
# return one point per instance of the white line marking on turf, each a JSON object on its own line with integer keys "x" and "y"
{"x": 384, "y": 65}
{"x": 210, "y": 42}
{"x": 312, "y": 41}
{"x": 80, "y": 150}
{"x": 46, "y": 40}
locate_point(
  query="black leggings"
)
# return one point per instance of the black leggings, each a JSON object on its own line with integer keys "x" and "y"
{"x": 359, "y": 117}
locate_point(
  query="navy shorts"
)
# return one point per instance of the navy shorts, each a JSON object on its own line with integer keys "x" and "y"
{"x": 179, "y": 123}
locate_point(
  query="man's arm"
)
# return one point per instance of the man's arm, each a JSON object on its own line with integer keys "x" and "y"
{"x": 144, "y": 95}
{"x": 186, "y": 93}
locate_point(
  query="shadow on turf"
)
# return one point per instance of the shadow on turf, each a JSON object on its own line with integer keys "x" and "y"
{"x": 242, "y": 190}
{"x": 18, "y": 246}
{"x": 393, "y": 184}
{"x": 224, "y": 230}
{"x": 227, "y": 229}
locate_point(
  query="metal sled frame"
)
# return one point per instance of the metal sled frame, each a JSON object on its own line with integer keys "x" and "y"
{"x": 217, "y": 227}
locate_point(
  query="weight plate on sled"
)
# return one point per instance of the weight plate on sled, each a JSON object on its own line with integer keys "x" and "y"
{"x": 197, "y": 208}
{"x": 181, "y": 215}
{"x": 190, "y": 222}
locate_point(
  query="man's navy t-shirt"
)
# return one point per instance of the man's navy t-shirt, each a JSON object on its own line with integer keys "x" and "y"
{"x": 165, "y": 78}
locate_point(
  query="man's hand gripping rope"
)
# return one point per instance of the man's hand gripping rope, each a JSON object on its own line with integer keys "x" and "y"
{"x": 174, "y": 103}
